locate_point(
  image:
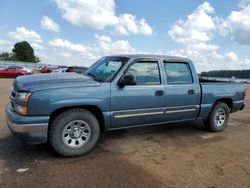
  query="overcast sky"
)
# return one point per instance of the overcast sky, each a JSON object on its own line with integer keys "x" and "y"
{"x": 214, "y": 34}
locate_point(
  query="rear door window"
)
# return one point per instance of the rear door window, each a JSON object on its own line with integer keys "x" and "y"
{"x": 178, "y": 73}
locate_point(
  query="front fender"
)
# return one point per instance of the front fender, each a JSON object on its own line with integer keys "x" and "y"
{"x": 77, "y": 102}
{"x": 46, "y": 101}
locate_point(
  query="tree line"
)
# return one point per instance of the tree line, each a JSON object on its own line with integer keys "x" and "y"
{"x": 227, "y": 73}
{"x": 22, "y": 51}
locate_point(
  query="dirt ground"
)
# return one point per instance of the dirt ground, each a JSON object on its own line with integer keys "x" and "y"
{"x": 171, "y": 155}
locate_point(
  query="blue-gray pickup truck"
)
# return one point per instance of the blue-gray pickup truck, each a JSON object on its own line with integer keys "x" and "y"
{"x": 69, "y": 110}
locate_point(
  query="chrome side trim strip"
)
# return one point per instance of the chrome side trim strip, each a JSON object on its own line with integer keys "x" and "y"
{"x": 151, "y": 113}
{"x": 186, "y": 106}
{"x": 139, "y": 109}
{"x": 176, "y": 111}
{"x": 139, "y": 114}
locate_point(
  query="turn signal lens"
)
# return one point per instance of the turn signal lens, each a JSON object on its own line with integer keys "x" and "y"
{"x": 23, "y": 110}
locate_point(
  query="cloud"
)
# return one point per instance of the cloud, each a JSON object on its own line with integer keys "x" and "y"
{"x": 244, "y": 3}
{"x": 61, "y": 56}
{"x": 4, "y": 42}
{"x": 212, "y": 60}
{"x": 69, "y": 53}
{"x": 195, "y": 34}
{"x": 202, "y": 47}
{"x": 5, "y": 45}
{"x": 65, "y": 52}
{"x": 107, "y": 47}
{"x": 61, "y": 43}
{"x": 103, "y": 38}
{"x": 234, "y": 62}
{"x": 23, "y": 34}
{"x": 99, "y": 14}
{"x": 237, "y": 24}
{"x": 196, "y": 28}
{"x": 49, "y": 24}
{"x": 127, "y": 23}
{"x": 118, "y": 47}
{"x": 231, "y": 56}
{"x": 37, "y": 46}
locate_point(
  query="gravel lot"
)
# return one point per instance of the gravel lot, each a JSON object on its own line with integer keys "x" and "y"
{"x": 173, "y": 155}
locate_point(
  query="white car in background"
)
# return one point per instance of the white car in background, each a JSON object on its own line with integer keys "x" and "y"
{"x": 28, "y": 70}
{"x": 60, "y": 70}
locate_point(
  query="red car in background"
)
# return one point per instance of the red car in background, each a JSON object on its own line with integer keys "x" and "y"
{"x": 12, "y": 72}
{"x": 47, "y": 69}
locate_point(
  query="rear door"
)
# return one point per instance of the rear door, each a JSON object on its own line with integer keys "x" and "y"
{"x": 142, "y": 103}
{"x": 182, "y": 92}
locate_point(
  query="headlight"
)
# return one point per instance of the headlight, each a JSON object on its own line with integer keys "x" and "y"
{"x": 23, "y": 97}
{"x": 23, "y": 110}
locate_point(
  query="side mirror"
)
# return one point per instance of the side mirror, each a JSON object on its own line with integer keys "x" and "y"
{"x": 127, "y": 80}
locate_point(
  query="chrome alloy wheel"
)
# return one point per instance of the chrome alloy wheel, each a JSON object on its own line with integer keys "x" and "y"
{"x": 76, "y": 134}
{"x": 220, "y": 117}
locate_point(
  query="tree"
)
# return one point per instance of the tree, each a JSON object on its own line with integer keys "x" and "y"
{"x": 4, "y": 56}
{"x": 227, "y": 73}
{"x": 24, "y": 52}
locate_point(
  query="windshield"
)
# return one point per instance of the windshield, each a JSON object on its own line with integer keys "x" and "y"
{"x": 106, "y": 68}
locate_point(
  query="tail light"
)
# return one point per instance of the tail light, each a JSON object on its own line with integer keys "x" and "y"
{"x": 244, "y": 93}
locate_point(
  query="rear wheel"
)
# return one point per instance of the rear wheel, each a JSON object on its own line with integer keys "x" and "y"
{"x": 218, "y": 118}
{"x": 74, "y": 132}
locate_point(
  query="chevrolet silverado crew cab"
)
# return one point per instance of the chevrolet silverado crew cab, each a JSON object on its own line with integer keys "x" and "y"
{"x": 69, "y": 110}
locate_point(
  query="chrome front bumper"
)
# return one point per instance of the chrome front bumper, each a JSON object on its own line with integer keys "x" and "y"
{"x": 32, "y": 133}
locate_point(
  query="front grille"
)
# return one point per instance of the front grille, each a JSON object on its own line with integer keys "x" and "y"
{"x": 12, "y": 98}
{"x": 12, "y": 105}
{"x": 12, "y": 94}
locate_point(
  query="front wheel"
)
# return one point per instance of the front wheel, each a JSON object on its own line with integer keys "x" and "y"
{"x": 218, "y": 118}
{"x": 74, "y": 132}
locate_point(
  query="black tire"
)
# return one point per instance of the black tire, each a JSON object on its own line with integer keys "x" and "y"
{"x": 18, "y": 75}
{"x": 211, "y": 123}
{"x": 59, "y": 124}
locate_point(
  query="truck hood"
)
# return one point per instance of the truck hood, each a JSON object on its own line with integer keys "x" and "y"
{"x": 52, "y": 81}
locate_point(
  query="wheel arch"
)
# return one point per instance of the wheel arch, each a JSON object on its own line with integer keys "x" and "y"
{"x": 227, "y": 101}
{"x": 96, "y": 111}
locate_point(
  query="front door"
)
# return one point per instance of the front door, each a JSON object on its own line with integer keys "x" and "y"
{"x": 142, "y": 103}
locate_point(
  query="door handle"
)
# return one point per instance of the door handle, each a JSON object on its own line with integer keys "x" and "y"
{"x": 191, "y": 92}
{"x": 159, "y": 93}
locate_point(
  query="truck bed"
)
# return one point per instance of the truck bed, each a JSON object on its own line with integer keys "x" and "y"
{"x": 204, "y": 80}
{"x": 213, "y": 91}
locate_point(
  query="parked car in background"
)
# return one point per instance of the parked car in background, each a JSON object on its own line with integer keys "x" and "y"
{"x": 45, "y": 69}
{"x": 62, "y": 66}
{"x": 23, "y": 68}
{"x": 79, "y": 70}
{"x": 14, "y": 71}
{"x": 60, "y": 70}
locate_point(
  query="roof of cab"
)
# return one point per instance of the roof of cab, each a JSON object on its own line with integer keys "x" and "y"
{"x": 174, "y": 58}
